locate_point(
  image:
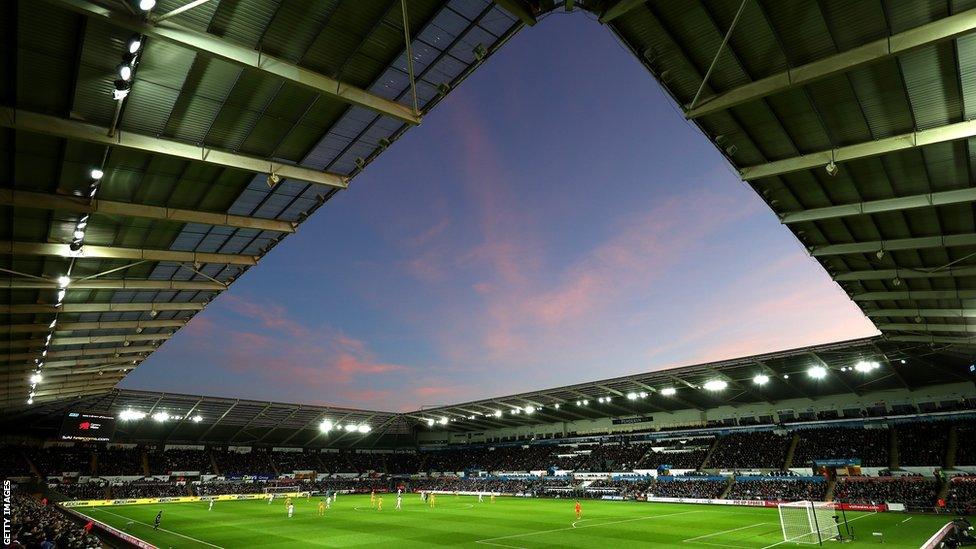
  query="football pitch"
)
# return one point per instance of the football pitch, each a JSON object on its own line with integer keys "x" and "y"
{"x": 508, "y": 522}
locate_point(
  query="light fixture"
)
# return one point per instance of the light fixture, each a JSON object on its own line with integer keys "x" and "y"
{"x": 36, "y": 378}
{"x": 631, "y": 396}
{"x": 430, "y": 422}
{"x": 556, "y": 405}
{"x": 530, "y": 409}
{"x": 643, "y": 394}
{"x": 866, "y": 366}
{"x": 831, "y": 168}
{"x": 96, "y": 173}
{"x": 498, "y": 413}
{"x": 325, "y": 426}
{"x": 715, "y": 385}
{"x": 161, "y": 417}
{"x": 61, "y": 293}
{"x": 442, "y": 421}
{"x": 786, "y": 376}
{"x": 760, "y": 379}
{"x": 63, "y": 281}
{"x": 134, "y": 44}
{"x": 364, "y": 428}
{"x": 586, "y": 402}
{"x": 30, "y": 401}
{"x": 146, "y": 5}
{"x": 125, "y": 73}
{"x": 129, "y": 414}
{"x": 197, "y": 418}
{"x": 350, "y": 427}
{"x": 579, "y": 402}
{"x": 668, "y": 391}
{"x": 817, "y": 372}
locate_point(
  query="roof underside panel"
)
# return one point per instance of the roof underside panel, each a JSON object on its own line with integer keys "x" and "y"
{"x": 154, "y": 249}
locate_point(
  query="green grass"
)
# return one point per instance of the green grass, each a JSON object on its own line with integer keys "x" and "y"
{"x": 508, "y": 522}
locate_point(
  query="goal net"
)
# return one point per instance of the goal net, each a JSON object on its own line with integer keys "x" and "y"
{"x": 808, "y": 521}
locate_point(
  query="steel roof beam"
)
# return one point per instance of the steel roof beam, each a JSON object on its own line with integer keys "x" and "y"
{"x": 210, "y": 45}
{"x": 110, "y": 252}
{"x": 80, "y": 205}
{"x": 71, "y": 129}
{"x": 946, "y": 241}
{"x": 115, "y": 284}
{"x": 923, "y": 313}
{"x": 944, "y": 198}
{"x": 933, "y": 339}
{"x": 931, "y": 33}
{"x": 106, "y": 325}
{"x": 76, "y": 353}
{"x": 101, "y": 308}
{"x": 925, "y": 327}
{"x": 623, "y": 7}
{"x": 891, "y": 274}
{"x": 921, "y": 138}
{"x": 127, "y": 359}
{"x": 83, "y": 340}
{"x": 917, "y": 294}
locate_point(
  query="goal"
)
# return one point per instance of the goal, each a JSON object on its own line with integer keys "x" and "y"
{"x": 809, "y": 522}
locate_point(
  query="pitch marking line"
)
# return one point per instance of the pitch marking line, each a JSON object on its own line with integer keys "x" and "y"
{"x": 726, "y": 531}
{"x": 161, "y": 529}
{"x": 906, "y": 520}
{"x": 852, "y": 520}
{"x": 491, "y": 541}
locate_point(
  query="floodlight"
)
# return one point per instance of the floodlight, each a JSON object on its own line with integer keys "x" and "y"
{"x": 498, "y": 413}
{"x": 125, "y": 73}
{"x": 586, "y": 402}
{"x": 866, "y": 366}
{"x": 668, "y": 391}
{"x": 579, "y": 402}
{"x": 715, "y": 385}
{"x": 61, "y": 293}
{"x": 134, "y": 44}
{"x": 161, "y": 416}
{"x": 529, "y": 409}
{"x": 760, "y": 379}
{"x": 556, "y": 406}
{"x": 364, "y": 428}
{"x": 643, "y": 394}
{"x": 30, "y": 401}
{"x": 631, "y": 396}
{"x": 831, "y": 168}
{"x": 817, "y": 372}
{"x": 146, "y": 5}
{"x": 36, "y": 378}
{"x": 325, "y": 426}
{"x": 63, "y": 281}
{"x": 430, "y": 422}
{"x": 786, "y": 376}
{"x": 96, "y": 173}
{"x": 197, "y": 418}
{"x": 442, "y": 421}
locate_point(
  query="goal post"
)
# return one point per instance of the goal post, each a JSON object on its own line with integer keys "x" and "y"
{"x": 808, "y": 521}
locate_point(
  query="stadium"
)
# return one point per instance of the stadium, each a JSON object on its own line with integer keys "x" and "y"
{"x": 156, "y": 151}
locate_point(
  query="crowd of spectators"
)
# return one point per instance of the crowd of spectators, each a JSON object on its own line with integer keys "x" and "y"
{"x": 218, "y": 488}
{"x": 233, "y": 463}
{"x": 287, "y": 462}
{"x": 119, "y": 461}
{"x": 179, "y": 459}
{"x": 868, "y": 445}
{"x": 914, "y": 492}
{"x": 12, "y": 463}
{"x": 403, "y": 463}
{"x": 486, "y": 485}
{"x": 677, "y": 460}
{"x": 36, "y": 525}
{"x": 504, "y": 458}
{"x": 705, "y": 489}
{"x": 614, "y": 457}
{"x": 966, "y": 445}
{"x": 754, "y": 449}
{"x": 778, "y": 490}
{"x": 360, "y": 484}
{"x": 337, "y": 462}
{"x": 922, "y": 443}
{"x": 628, "y": 489}
{"x": 148, "y": 488}
{"x": 961, "y": 496}
{"x": 80, "y": 490}
{"x": 55, "y": 460}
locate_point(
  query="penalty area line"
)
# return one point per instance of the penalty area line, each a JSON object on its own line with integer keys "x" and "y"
{"x": 725, "y": 531}
{"x": 160, "y": 529}
{"x": 491, "y": 541}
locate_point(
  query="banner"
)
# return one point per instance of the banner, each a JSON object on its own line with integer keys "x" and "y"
{"x": 182, "y": 499}
{"x": 762, "y": 503}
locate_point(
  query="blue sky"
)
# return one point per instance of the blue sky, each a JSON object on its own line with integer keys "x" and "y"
{"x": 553, "y": 221}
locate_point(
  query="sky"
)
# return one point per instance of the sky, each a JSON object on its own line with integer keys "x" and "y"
{"x": 553, "y": 221}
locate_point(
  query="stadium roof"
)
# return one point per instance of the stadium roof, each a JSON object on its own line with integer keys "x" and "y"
{"x": 227, "y": 93}
{"x": 907, "y": 366}
{"x": 225, "y": 98}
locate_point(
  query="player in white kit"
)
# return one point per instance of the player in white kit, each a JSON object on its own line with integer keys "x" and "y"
{"x": 291, "y": 509}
